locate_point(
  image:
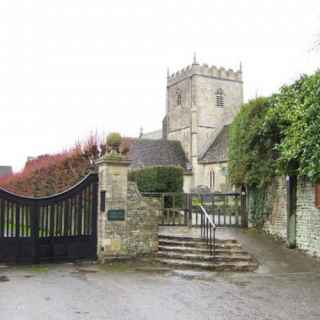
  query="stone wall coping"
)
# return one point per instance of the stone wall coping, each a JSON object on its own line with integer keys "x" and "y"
{"x": 118, "y": 163}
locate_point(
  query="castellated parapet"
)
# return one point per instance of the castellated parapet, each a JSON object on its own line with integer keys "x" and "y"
{"x": 205, "y": 70}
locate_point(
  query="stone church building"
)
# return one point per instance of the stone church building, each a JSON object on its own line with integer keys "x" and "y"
{"x": 201, "y": 103}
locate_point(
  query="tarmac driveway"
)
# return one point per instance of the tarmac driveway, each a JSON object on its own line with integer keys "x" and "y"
{"x": 134, "y": 291}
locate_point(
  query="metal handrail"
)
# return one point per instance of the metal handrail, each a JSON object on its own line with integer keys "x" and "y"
{"x": 208, "y": 230}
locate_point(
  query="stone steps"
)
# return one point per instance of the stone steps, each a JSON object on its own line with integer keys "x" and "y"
{"x": 197, "y": 244}
{"x": 210, "y": 266}
{"x": 193, "y": 253}
{"x": 197, "y": 250}
{"x": 192, "y": 239}
{"x": 204, "y": 257}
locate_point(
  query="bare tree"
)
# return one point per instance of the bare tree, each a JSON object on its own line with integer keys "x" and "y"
{"x": 316, "y": 45}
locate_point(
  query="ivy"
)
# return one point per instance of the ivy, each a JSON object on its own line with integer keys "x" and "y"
{"x": 258, "y": 206}
{"x": 251, "y": 147}
{"x": 278, "y": 135}
{"x": 296, "y": 110}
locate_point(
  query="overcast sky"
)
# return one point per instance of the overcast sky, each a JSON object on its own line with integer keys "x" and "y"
{"x": 68, "y": 68}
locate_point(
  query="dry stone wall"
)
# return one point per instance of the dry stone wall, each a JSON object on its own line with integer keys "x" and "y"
{"x": 307, "y": 215}
{"x": 276, "y": 223}
{"x": 308, "y": 219}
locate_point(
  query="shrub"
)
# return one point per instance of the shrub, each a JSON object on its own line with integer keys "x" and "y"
{"x": 158, "y": 179}
{"x": 53, "y": 173}
{"x": 50, "y": 174}
{"x": 278, "y": 135}
{"x": 296, "y": 111}
{"x": 258, "y": 206}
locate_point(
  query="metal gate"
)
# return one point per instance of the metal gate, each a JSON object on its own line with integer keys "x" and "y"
{"x": 183, "y": 209}
{"x": 59, "y": 227}
{"x": 225, "y": 209}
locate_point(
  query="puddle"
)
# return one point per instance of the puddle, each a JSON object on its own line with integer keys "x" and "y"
{"x": 148, "y": 269}
{"x": 195, "y": 275}
{"x": 88, "y": 270}
{"x": 241, "y": 284}
{"x": 143, "y": 265}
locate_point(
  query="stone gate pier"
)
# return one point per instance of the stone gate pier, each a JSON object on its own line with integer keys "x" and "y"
{"x": 127, "y": 223}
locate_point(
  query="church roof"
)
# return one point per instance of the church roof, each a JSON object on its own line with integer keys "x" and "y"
{"x": 218, "y": 150}
{"x": 154, "y": 135}
{"x": 148, "y": 152}
{"x": 5, "y": 171}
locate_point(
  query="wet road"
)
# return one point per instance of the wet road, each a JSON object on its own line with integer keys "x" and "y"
{"x": 285, "y": 286}
{"x": 90, "y": 292}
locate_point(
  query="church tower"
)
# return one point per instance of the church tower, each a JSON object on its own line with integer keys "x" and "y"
{"x": 201, "y": 100}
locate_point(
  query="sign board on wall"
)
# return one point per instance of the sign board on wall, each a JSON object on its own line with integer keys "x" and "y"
{"x": 116, "y": 215}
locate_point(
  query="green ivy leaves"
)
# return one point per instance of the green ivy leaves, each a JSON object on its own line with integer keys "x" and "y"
{"x": 279, "y": 135}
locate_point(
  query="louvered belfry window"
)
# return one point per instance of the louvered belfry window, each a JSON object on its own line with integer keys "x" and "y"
{"x": 317, "y": 195}
{"x": 212, "y": 179}
{"x": 179, "y": 99}
{"x": 220, "y": 98}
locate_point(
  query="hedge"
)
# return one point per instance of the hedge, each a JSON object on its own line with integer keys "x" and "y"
{"x": 158, "y": 179}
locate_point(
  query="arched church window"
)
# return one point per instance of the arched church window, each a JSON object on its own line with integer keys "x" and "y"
{"x": 212, "y": 179}
{"x": 179, "y": 99}
{"x": 220, "y": 98}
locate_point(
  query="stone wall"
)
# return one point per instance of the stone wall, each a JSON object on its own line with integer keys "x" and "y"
{"x": 187, "y": 182}
{"x": 179, "y": 116}
{"x": 137, "y": 233}
{"x": 307, "y": 215}
{"x": 308, "y": 219}
{"x": 276, "y": 223}
{"x": 209, "y": 115}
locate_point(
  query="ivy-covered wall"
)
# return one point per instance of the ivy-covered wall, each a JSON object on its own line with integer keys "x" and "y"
{"x": 308, "y": 219}
{"x": 277, "y": 136}
{"x": 272, "y": 138}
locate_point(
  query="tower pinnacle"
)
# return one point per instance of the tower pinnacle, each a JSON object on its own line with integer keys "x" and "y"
{"x": 141, "y": 132}
{"x": 195, "y": 58}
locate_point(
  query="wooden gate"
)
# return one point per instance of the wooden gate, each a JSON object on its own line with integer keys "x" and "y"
{"x": 59, "y": 227}
{"x": 183, "y": 209}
